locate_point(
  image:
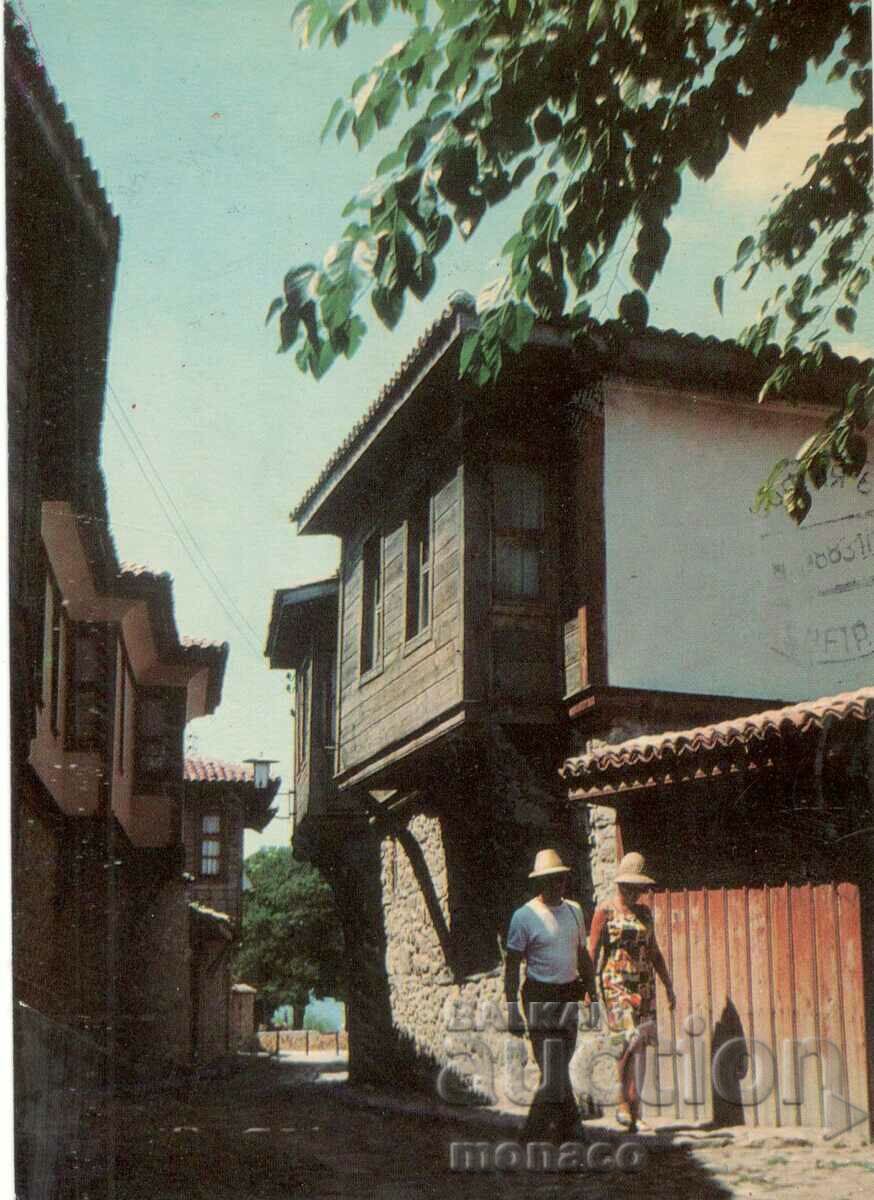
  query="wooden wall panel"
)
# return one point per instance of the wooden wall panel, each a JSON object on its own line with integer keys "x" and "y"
{"x": 782, "y": 989}
{"x": 773, "y": 966}
{"x": 416, "y": 682}
{"x": 808, "y": 1081}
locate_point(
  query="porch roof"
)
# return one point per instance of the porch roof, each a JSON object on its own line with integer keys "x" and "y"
{"x": 611, "y": 768}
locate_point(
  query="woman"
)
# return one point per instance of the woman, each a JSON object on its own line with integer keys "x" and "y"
{"x": 624, "y": 950}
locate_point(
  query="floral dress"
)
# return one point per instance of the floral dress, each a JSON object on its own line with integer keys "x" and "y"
{"x": 627, "y": 974}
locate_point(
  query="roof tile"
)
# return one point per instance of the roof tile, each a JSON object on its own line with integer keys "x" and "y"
{"x": 772, "y": 723}
{"x": 212, "y": 770}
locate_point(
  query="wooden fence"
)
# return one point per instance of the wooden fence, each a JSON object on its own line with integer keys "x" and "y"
{"x": 769, "y": 1026}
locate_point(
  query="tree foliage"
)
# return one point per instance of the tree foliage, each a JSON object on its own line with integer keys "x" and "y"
{"x": 291, "y": 943}
{"x": 596, "y": 111}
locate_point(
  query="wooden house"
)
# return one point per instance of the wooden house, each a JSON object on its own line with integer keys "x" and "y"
{"x": 220, "y": 802}
{"x": 565, "y": 558}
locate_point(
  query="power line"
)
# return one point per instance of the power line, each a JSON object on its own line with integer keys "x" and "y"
{"x": 227, "y": 606}
{"x": 183, "y": 522}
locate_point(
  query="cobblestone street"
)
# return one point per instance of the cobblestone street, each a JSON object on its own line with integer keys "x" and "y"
{"x": 269, "y": 1130}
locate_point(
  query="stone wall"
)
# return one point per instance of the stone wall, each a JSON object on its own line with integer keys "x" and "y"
{"x": 155, "y": 978}
{"x": 600, "y": 827}
{"x": 457, "y": 1025}
{"x": 425, "y": 897}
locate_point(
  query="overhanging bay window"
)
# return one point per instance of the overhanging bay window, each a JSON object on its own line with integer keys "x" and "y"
{"x": 419, "y": 567}
{"x": 88, "y": 682}
{"x": 158, "y": 743}
{"x": 519, "y": 528}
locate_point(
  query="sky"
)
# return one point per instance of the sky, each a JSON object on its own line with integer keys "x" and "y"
{"x": 203, "y": 120}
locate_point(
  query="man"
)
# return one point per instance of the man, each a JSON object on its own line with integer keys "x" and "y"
{"x": 549, "y": 935}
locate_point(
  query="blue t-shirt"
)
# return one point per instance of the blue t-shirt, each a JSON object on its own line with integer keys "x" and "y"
{"x": 549, "y": 939}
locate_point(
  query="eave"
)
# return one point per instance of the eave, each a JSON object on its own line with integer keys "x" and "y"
{"x": 744, "y": 744}
{"x": 294, "y": 615}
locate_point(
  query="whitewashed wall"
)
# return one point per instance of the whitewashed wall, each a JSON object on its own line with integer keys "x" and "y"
{"x": 705, "y": 596}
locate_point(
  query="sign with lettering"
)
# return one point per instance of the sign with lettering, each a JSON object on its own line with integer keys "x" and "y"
{"x": 820, "y": 593}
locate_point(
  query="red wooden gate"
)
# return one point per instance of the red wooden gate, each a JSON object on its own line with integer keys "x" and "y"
{"x": 769, "y": 1026}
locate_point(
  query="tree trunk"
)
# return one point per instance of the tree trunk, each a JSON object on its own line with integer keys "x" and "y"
{"x": 297, "y": 1011}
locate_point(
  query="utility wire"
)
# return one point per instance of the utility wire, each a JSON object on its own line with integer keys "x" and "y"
{"x": 227, "y": 608}
{"x": 183, "y": 522}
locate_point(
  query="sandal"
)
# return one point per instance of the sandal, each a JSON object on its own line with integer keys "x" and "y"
{"x": 625, "y": 1117}
{"x": 636, "y": 1121}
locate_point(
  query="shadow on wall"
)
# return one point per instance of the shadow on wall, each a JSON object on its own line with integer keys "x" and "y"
{"x": 727, "y": 1099}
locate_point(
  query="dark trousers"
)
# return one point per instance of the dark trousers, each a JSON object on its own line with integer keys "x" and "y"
{"x": 551, "y": 1013}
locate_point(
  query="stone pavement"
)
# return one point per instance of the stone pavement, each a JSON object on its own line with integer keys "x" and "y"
{"x": 267, "y": 1129}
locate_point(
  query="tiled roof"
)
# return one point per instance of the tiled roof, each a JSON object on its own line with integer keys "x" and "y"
{"x": 26, "y": 71}
{"x": 211, "y": 770}
{"x": 132, "y": 570}
{"x": 773, "y": 723}
{"x": 156, "y": 588}
{"x": 659, "y": 355}
{"x": 434, "y": 338}
{"x": 190, "y": 643}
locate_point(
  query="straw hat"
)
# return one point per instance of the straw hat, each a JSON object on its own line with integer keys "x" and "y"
{"x": 548, "y": 862}
{"x": 631, "y": 870}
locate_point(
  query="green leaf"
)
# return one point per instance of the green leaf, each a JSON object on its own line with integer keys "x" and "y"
{"x": 718, "y": 291}
{"x": 845, "y": 316}
{"x": 468, "y": 349}
{"x": 336, "y": 108}
{"x": 744, "y": 250}
{"x": 275, "y": 306}
{"x": 391, "y": 162}
{"x": 388, "y": 305}
{"x": 524, "y": 169}
{"x": 634, "y": 310}
{"x": 422, "y": 278}
{"x": 796, "y": 500}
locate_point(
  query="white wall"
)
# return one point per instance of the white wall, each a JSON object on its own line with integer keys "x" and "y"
{"x": 702, "y": 594}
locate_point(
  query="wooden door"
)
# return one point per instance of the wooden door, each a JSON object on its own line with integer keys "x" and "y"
{"x": 769, "y": 1025}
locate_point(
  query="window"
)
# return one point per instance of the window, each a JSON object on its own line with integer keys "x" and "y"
{"x": 302, "y": 703}
{"x": 518, "y": 497}
{"x": 87, "y": 706}
{"x": 210, "y": 844}
{"x": 371, "y": 609}
{"x": 158, "y": 734}
{"x": 419, "y": 567}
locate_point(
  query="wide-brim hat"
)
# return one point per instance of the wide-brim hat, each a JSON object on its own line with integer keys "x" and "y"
{"x": 548, "y": 862}
{"x": 632, "y": 870}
